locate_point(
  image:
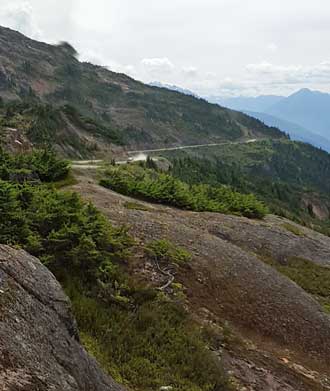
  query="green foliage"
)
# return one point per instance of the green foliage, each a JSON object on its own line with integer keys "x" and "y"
{"x": 39, "y": 122}
{"x": 313, "y": 278}
{"x": 45, "y": 164}
{"x": 142, "y": 340}
{"x": 59, "y": 228}
{"x": 93, "y": 126}
{"x": 136, "y": 206}
{"x": 152, "y": 345}
{"x": 41, "y": 165}
{"x": 164, "y": 188}
{"x": 165, "y": 251}
{"x": 46, "y": 126}
{"x": 294, "y": 229}
{"x": 283, "y": 174}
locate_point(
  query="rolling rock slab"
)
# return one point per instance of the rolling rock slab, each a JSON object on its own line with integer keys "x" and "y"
{"x": 39, "y": 342}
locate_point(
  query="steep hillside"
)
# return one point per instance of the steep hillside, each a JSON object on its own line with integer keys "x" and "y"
{"x": 296, "y": 132}
{"x": 291, "y": 177}
{"x": 276, "y": 333}
{"x": 39, "y": 342}
{"x": 303, "y": 115}
{"x": 139, "y": 114}
{"x": 309, "y": 109}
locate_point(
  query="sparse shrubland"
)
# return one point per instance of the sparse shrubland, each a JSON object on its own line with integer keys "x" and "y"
{"x": 159, "y": 187}
{"x": 45, "y": 125}
{"x": 140, "y": 336}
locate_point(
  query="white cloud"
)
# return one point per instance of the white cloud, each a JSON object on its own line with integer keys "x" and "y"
{"x": 291, "y": 74}
{"x": 208, "y": 54}
{"x": 272, "y": 47}
{"x": 158, "y": 65}
{"x": 190, "y": 72}
{"x": 19, "y": 16}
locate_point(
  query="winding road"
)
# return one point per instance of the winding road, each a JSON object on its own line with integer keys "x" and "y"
{"x": 142, "y": 154}
{"x": 194, "y": 146}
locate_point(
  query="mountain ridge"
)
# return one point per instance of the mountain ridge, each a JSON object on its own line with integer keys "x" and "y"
{"x": 142, "y": 115}
{"x": 303, "y": 114}
{"x": 296, "y": 132}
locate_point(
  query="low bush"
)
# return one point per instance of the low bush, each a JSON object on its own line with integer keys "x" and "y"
{"x": 139, "y": 336}
{"x": 155, "y": 344}
{"x": 165, "y": 251}
{"x": 41, "y": 165}
{"x": 163, "y": 188}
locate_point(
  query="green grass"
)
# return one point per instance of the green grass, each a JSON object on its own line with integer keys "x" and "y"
{"x": 293, "y": 229}
{"x": 313, "y": 278}
{"x": 136, "y": 206}
{"x": 149, "y": 345}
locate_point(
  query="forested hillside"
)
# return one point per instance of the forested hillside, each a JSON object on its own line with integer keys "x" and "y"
{"x": 126, "y": 111}
{"x": 290, "y": 177}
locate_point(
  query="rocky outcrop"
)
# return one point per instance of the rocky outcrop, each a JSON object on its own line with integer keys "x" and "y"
{"x": 39, "y": 343}
{"x": 227, "y": 278}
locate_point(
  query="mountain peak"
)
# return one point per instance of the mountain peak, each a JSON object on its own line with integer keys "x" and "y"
{"x": 305, "y": 91}
{"x": 308, "y": 92}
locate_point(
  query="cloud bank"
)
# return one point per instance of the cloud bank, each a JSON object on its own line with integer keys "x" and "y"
{"x": 218, "y": 47}
{"x": 19, "y": 16}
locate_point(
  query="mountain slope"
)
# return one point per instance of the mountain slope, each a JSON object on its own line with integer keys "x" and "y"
{"x": 309, "y": 109}
{"x": 142, "y": 115}
{"x": 259, "y": 104}
{"x": 303, "y": 115}
{"x": 296, "y": 132}
{"x": 282, "y": 329}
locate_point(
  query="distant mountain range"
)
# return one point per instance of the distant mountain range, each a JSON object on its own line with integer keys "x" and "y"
{"x": 304, "y": 115}
{"x": 295, "y": 131}
{"x": 257, "y": 104}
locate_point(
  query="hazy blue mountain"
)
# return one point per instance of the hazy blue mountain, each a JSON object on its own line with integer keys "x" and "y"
{"x": 258, "y": 104}
{"x": 309, "y": 109}
{"x": 304, "y": 115}
{"x": 295, "y": 131}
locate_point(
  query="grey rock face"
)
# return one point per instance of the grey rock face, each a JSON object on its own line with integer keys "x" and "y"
{"x": 39, "y": 343}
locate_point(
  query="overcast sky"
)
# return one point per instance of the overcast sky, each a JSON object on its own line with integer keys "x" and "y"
{"x": 213, "y": 47}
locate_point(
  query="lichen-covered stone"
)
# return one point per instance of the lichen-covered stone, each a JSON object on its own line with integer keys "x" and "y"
{"x": 39, "y": 343}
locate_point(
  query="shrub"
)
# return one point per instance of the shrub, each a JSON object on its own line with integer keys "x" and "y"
{"x": 165, "y": 251}
{"x": 153, "y": 345}
{"x": 143, "y": 340}
{"x": 163, "y": 188}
